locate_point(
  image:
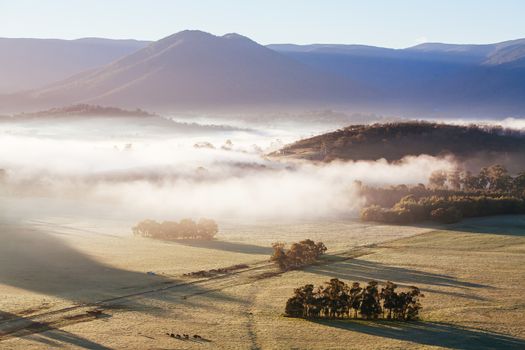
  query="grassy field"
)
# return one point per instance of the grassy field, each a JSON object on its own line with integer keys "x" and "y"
{"x": 55, "y": 274}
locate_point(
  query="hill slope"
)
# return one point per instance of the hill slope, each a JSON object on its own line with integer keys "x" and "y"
{"x": 33, "y": 63}
{"x": 394, "y": 141}
{"x": 193, "y": 69}
{"x": 430, "y": 79}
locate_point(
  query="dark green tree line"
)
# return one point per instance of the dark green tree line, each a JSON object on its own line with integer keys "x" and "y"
{"x": 336, "y": 299}
{"x": 449, "y": 197}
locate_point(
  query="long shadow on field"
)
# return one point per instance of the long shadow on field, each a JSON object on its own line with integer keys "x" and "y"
{"x": 431, "y": 333}
{"x": 227, "y": 246}
{"x": 37, "y": 261}
{"x": 509, "y": 225}
{"x": 361, "y": 270}
{"x": 43, "y": 333}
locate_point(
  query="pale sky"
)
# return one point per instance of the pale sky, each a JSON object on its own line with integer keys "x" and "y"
{"x": 388, "y": 23}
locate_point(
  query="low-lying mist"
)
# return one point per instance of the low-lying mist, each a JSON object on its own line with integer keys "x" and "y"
{"x": 219, "y": 174}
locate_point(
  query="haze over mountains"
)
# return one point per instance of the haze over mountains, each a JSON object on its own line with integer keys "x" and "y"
{"x": 34, "y": 63}
{"x": 193, "y": 70}
{"x": 432, "y": 78}
{"x": 196, "y": 69}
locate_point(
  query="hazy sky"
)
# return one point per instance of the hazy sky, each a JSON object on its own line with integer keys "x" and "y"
{"x": 390, "y": 23}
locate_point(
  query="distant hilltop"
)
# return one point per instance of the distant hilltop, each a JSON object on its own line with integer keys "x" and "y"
{"x": 85, "y": 110}
{"x": 394, "y": 141}
{"x": 198, "y": 71}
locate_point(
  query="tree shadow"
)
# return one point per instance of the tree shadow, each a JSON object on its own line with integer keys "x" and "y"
{"x": 362, "y": 270}
{"x": 430, "y": 333}
{"x": 37, "y": 261}
{"x": 227, "y": 246}
{"x": 41, "y": 262}
{"x": 509, "y": 225}
{"x": 45, "y": 333}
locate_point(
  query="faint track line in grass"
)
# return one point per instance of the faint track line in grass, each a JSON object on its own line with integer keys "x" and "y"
{"x": 217, "y": 283}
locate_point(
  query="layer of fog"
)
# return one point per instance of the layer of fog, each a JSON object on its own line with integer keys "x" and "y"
{"x": 227, "y": 176}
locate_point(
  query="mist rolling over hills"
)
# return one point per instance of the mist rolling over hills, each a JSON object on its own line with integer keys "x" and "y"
{"x": 260, "y": 175}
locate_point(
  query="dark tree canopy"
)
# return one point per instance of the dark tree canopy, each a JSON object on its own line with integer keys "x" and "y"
{"x": 336, "y": 299}
{"x": 394, "y": 141}
{"x": 448, "y": 198}
{"x": 299, "y": 254}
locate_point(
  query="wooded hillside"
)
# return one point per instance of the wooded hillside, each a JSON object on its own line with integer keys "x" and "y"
{"x": 393, "y": 141}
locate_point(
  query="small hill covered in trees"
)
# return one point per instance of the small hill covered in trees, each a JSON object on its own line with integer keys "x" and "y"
{"x": 84, "y": 110}
{"x": 393, "y": 141}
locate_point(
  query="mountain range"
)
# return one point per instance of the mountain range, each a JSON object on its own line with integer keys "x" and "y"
{"x": 194, "y": 70}
{"x": 34, "y": 63}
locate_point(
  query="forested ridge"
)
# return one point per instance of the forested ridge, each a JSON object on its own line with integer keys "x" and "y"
{"x": 393, "y": 141}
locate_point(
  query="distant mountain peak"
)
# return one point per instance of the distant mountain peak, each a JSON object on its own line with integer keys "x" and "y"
{"x": 187, "y": 35}
{"x": 201, "y": 36}
{"x": 194, "y": 69}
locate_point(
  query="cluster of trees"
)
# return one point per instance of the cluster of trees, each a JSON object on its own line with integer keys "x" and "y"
{"x": 443, "y": 209}
{"x": 171, "y": 230}
{"x": 449, "y": 197}
{"x": 299, "y": 254}
{"x": 493, "y": 181}
{"x": 495, "y": 178}
{"x": 336, "y": 299}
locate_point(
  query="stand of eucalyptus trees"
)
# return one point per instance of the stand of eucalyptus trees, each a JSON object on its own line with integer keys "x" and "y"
{"x": 336, "y": 299}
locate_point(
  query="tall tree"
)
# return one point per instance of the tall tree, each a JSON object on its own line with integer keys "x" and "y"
{"x": 437, "y": 179}
{"x": 356, "y": 296}
{"x": 454, "y": 179}
{"x": 370, "y": 304}
{"x": 389, "y": 296}
{"x": 279, "y": 255}
{"x": 518, "y": 184}
{"x": 499, "y": 179}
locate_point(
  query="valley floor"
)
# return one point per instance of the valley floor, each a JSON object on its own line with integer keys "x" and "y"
{"x": 74, "y": 286}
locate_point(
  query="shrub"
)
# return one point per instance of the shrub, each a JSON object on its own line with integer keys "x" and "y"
{"x": 448, "y": 215}
{"x": 444, "y": 209}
